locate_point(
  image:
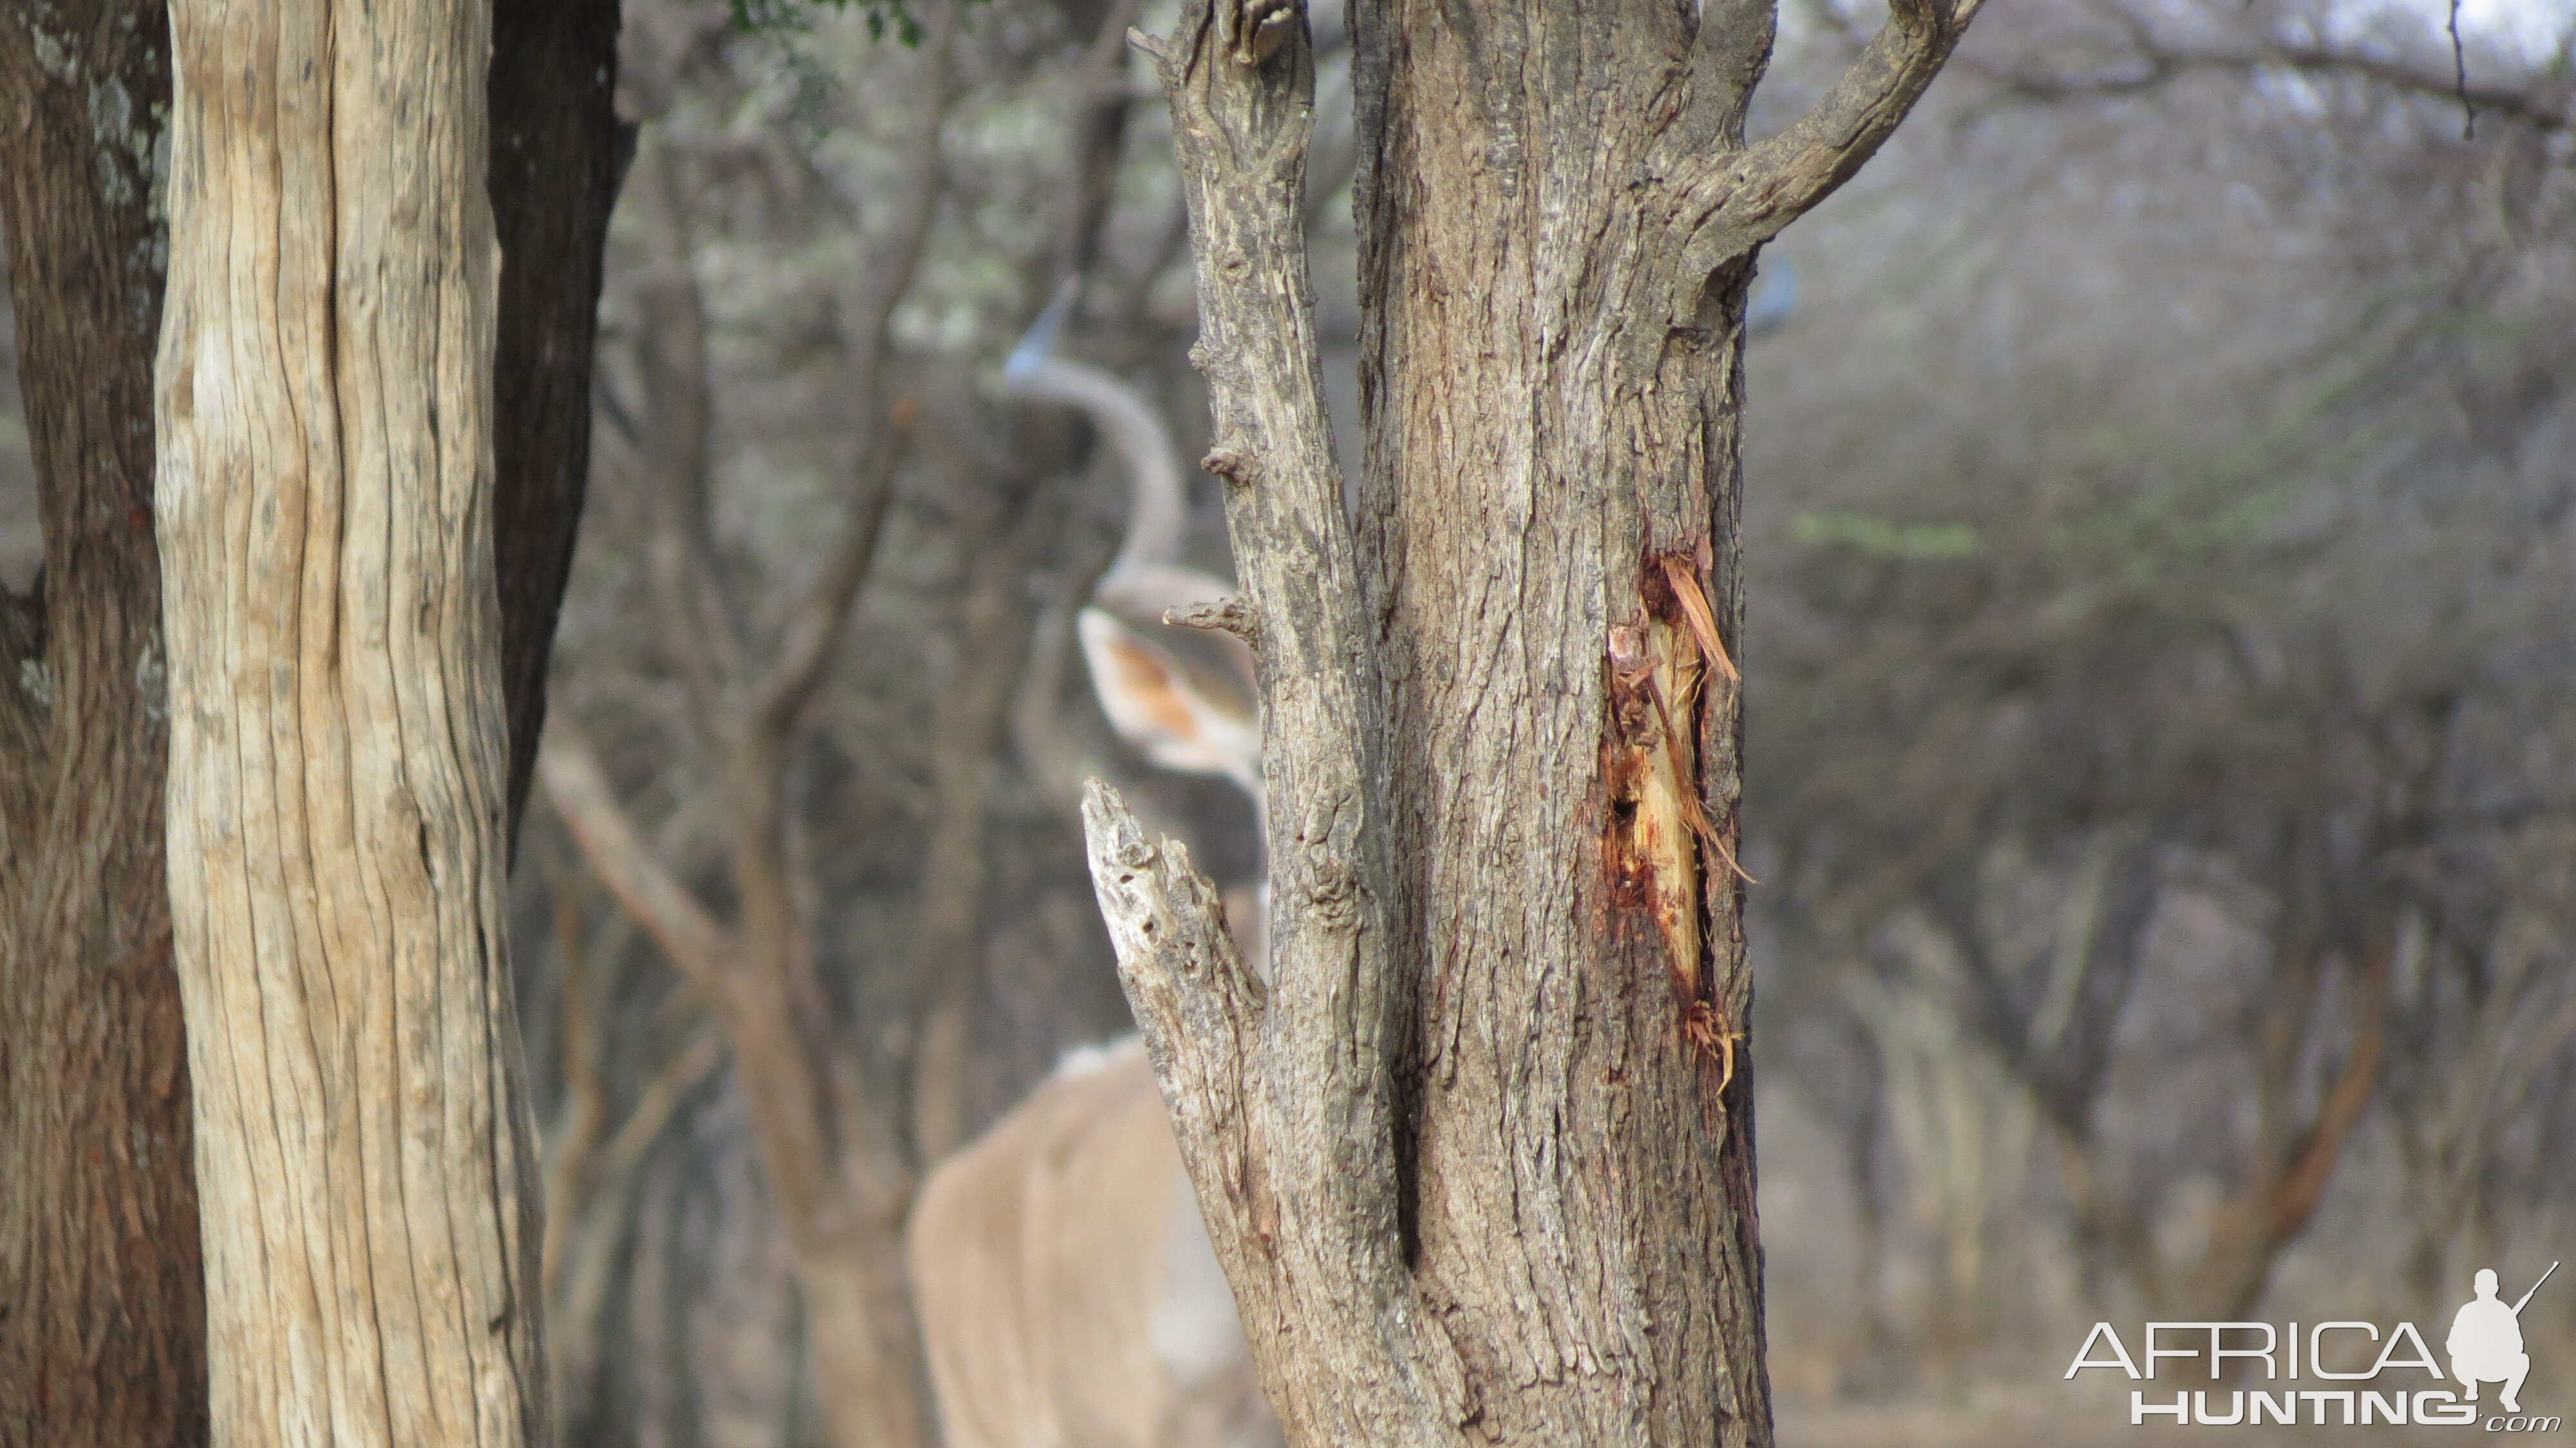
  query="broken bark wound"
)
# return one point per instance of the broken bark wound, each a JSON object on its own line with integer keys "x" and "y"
{"x": 1657, "y": 822}
{"x": 1230, "y": 465}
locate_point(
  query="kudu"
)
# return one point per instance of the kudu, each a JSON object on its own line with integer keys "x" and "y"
{"x": 1065, "y": 1286}
{"x": 1068, "y": 1295}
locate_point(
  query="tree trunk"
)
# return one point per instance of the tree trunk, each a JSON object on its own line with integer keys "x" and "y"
{"x": 558, "y": 155}
{"x": 1546, "y": 467}
{"x": 1479, "y": 1164}
{"x": 830, "y": 1153}
{"x": 338, "y": 754}
{"x": 101, "y": 1297}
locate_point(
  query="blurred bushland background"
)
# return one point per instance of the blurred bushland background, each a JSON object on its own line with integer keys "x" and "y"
{"x": 2161, "y": 643}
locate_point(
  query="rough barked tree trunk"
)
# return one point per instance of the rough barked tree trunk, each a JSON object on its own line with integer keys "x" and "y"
{"x": 101, "y": 1303}
{"x": 1479, "y": 1162}
{"x": 338, "y": 750}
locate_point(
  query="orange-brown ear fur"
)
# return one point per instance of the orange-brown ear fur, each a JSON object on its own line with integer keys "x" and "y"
{"x": 1155, "y": 704}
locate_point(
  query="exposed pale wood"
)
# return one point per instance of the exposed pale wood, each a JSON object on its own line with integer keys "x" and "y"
{"x": 339, "y": 756}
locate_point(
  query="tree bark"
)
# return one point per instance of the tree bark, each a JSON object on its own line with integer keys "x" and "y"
{"x": 1479, "y": 1162}
{"x": 101, "y": 1297}
{"x": 559, "y": 154}
{"x": 338, "y": 754}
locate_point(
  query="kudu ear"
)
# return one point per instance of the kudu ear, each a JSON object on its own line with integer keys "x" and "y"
{"x": 1155, "y": 704}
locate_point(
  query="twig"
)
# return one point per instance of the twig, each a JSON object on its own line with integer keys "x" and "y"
{"x": 2460, "y": 78}
{"x": 689, "y": 936}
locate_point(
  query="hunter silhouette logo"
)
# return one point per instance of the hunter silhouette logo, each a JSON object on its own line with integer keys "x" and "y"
{"x": 2486, "y": 1341}
{"x": 2365, "y": 1376}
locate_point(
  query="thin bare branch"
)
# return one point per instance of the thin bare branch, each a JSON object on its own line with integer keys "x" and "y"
{"x": 669, "y": 911}
{"x": 1223, "y": 615}
{"x": 572, "y": 1143}
{"x": 1241, "y": 131}
{"x": 2156, "y": 65}
{"x": 1196, "y": 1002}
{"x": 1746, "y": 197}
{"x": 682, "y": 1074}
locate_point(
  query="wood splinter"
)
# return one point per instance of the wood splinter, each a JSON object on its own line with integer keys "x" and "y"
{"x": 1230, "y": 615}
{"x": 1706, "y": 1026}
{"x": 1262, "y": 26}
{"x": 1663, "y": 835}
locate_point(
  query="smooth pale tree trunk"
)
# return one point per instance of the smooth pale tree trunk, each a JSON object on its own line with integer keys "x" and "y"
{"x": 101, "y": 1303}
{"x": 1479, "y": 1160}
{"x": 338, "y": 755}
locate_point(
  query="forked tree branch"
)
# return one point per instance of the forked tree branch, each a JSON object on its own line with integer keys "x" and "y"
{"x": 689, "y": 936}
{"x": 1739, "y": 199}
{"x": 2302, "y": 1181}
{"x": 1241, "y": 95}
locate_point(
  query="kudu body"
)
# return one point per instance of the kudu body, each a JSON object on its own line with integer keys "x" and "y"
{"x": 1067, "y": 1292}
